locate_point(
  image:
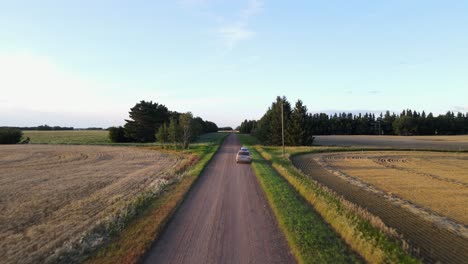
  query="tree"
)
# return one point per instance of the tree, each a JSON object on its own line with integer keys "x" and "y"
{"x": 271, "y": 122}
{"x": 198, "y": 127}
{"x": 247, "y": 126}
{"x": 10, "y": 135}
{"x": 186, "y": 127}
{"x": 405, "y": 126}
{"x": 117, "y": 134}
{"x": 210, "y": 127}
{"x": 296, "y": 128}
{"x": 173, "y": 132}
{"x": 145, "y": 119}
{"x": 163, "y": 135}
{"x": 282, "y": 106}
{"x": 269, "y": 127}
{"x": 264, "y": 128}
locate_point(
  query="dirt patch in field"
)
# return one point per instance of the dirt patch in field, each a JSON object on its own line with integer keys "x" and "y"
{"x": 50, "y": 196}
{"x": 459, "y": 143}
{"x": 436, "y": 240}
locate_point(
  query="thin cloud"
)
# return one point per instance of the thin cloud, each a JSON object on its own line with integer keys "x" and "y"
{"x": 233, "y": 33}
{"x": 374, "y": 92}
{"x": 347, "y": 111}
{"x": 254, "y": 7}
{"x": 461, "y": 109}
{"x": 189, "y": 3}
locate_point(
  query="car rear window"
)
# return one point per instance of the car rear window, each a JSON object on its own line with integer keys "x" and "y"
{"x": 244, "y": 153}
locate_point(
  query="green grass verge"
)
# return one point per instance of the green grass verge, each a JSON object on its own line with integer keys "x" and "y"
{"x": 75, "y": 137}
{"x": 310, "y": 238}
{"x": 131, "y": 242}
{"x": 347, "y": 220}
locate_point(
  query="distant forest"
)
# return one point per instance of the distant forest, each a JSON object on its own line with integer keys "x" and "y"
{"x": 301, "y": 125}
{"x": 45, "y": 128}
{"x": 52, "y": 128}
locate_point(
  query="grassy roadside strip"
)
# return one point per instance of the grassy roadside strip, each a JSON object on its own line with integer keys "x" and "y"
{"x": 130, "y": 245}
{"x": 309, "y": 237}
{"x": 359, "y": 230}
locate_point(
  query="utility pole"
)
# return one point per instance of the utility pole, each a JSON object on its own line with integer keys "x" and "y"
{"x": 282, "y": 124}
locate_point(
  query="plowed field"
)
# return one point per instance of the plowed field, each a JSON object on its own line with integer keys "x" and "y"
{"x": 51, "y": 195}
{"x": 423, "y": 195}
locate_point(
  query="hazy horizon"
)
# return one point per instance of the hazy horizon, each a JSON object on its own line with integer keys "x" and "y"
{"x": 86, "y": 64}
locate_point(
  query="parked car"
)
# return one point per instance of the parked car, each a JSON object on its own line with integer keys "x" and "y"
{"x": 243, "y": 156}
{"x": 244, "y": 148}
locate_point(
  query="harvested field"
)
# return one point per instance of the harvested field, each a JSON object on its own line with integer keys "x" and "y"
{"x": 51, "y": 196}
{"x": 423, "y": 195}
{"x": 459, "y": 143}
{"x": 435, "y": 181}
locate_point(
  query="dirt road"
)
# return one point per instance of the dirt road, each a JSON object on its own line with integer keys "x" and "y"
{"x": 225, "y": 219}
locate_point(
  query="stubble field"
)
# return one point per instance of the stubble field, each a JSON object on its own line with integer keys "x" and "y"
{"x": 51, "y": 196}
{"x": 422, "y": 195}
{"x": 436, "y": 181}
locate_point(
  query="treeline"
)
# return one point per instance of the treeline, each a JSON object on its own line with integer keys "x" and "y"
{"x": 268, "y": 129}
{"x": 407, "y": 123}
{"x": 152, "y": 121}
{"x": 45, "y": 128}
{"x": 300, "y": 125}
{"x": 53, "y": 128}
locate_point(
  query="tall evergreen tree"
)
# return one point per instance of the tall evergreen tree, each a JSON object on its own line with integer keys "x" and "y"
{"x": 276, "y": 120}
{"x": 296, "y": 126}
{"x": 145, "y": 119}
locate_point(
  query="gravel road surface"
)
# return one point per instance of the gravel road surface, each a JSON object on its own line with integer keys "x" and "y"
{"x": 224, "y": 219}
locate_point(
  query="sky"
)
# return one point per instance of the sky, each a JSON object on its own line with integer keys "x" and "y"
{"x": 86, "y": 63}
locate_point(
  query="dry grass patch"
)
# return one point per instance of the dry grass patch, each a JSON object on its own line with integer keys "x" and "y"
{"x": 52, "y": 197}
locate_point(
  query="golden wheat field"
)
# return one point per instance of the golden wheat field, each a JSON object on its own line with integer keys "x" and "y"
{"x": 433, "y": 180}
{"x": 52, "y": 196}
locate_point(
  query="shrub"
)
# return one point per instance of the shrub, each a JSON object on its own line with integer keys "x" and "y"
{"x": 117, "y": 134}
{"x": 10, "y": 135}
